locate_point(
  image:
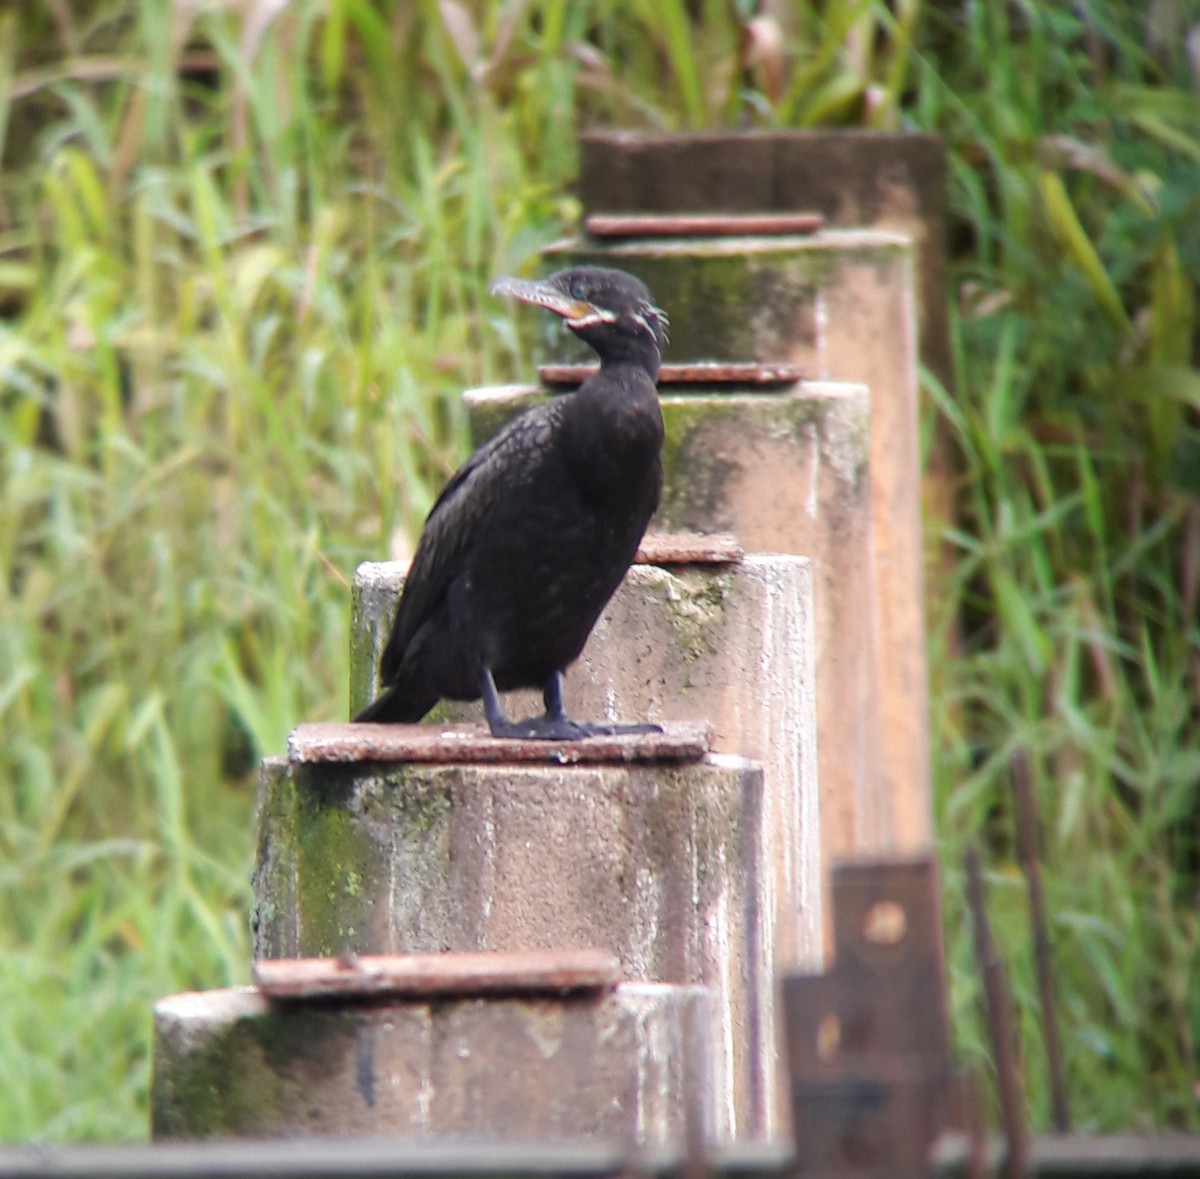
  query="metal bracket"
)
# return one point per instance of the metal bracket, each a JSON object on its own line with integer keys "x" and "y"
{"x": 868, "y": 1042}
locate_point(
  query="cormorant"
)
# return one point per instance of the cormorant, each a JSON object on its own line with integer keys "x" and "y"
{"x": 533, "y": 534}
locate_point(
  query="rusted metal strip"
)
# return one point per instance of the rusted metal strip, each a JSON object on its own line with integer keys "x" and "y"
{"x": 1076, "y": 1156}
{"x": 472, "y": 743}
{"x": 1027, "y": 850}
{"x": 996, "y": 994}
{"x": 702, "y": 224}
{"x": 424, "y": 975}
{"x": 689, "y": 548}
{"x": 699, "y": 373}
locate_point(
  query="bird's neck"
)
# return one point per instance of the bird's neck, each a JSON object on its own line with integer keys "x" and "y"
{"x": 613, "y": 433}
{"x": 630, "y": 352}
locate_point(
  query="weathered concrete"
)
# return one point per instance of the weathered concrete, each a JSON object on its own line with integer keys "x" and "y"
{"x": 626, "y": 1066}
{"x": 883, "y": 180}
{"x": 662, "y": 865}
{"x": 785, "y": 472}
{"x": 731, "y": 644}
{"x": 764, "y": 299}
{"x": 840, "y": 304}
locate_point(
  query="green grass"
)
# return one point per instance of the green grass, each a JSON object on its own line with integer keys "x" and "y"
{"x": 243, "y": 273}
{"x": 1068, "y": 625}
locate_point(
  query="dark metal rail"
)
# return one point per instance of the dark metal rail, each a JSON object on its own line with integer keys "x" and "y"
{"x": 1049, "y": 1157}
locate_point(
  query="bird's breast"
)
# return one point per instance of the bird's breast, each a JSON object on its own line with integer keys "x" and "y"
{"x": 614, "y": 454}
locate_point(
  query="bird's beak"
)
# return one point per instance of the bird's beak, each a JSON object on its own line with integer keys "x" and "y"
{"x": 547, "y": 295}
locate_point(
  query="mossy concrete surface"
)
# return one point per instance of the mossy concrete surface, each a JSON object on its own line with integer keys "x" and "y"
{"x": 834, "y": 418}
{"x": 891, "y": 181}
{"x": 743, "y": 298}
{"x": 732, "y": 645}
{"x": 626, "y": 1066}
{"x": 661, "y": 865}
{"x": 318, "y": 863}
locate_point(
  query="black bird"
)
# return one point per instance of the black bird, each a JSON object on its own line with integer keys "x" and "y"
{"x": 531, "y": 536}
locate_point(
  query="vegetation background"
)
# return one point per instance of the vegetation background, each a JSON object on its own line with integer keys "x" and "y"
{"x": 244, "y": 252}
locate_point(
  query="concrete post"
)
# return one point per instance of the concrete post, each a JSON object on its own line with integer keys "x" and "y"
{"x": 728, "y": 644}
{"x": 785, "y": 471}
{"x": 853, "y": 179}
{"x": 660, "y": 864}
{"x": 628, "y": 1066}
{"x": 840, "y": 304}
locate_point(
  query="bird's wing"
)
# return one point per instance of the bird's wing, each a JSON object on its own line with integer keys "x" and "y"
{"x": 461, "y": 515}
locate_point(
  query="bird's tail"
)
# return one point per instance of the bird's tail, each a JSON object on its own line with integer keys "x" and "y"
{"x": 396, "y": 705}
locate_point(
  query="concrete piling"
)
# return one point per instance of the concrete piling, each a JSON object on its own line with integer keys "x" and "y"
{"x": 431, "y": 903}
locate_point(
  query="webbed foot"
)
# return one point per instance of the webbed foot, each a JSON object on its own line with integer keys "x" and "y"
{"x": 605, "y": 730}
{"x": 553, "y": 724}
{"x": 562, "y": 728}
{"x": 540, "y": 728}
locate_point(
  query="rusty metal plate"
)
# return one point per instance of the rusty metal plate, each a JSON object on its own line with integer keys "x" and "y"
{"x": 702, "y": 224}
{"x": 872, "y": 1124}
{"x": 473, "y": 743}
{"x": 884, "y": 998}
{"x": 689, "y": 548}
{"x": 438, "y": 975}
{"x": 868, "y": 1041}
{"x": 698, "y": 373}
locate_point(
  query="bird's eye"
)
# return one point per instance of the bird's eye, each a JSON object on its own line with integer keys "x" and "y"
{"x": 576, "y": 289}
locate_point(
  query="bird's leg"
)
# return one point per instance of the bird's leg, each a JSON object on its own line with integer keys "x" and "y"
{"x": 552, "y": 696}
{"x": 492, "y": 708}
{"x": 553, "y": 726}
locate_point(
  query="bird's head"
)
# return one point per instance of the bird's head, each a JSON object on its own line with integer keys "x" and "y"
{"x": 608, "y": 309}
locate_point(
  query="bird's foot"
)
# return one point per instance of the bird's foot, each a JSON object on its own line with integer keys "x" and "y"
{"x": 540, "y": 728}
{"x": 562, "y": 728}
{"x": 603, "y": 730}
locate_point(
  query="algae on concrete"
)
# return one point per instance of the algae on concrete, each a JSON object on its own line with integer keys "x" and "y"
{"x": 737, "y": 298}
{"x": 212, "y": 1081}
{"x": 711, "y": 439}
{"x": 330, "y": 841}
{"x": 333, "y": 912}
{"x": 273, "y": 917}
{"x": 696, "y": 462}
{"x": 694, "y": 601}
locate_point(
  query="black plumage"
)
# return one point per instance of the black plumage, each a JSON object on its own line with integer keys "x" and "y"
{"x": 531, "y": 536}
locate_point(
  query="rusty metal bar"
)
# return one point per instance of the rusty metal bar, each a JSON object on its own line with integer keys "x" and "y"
{"x": 702, "y": 224}
{"x": 473, "y": 743}
{"x": 970, "y": 1133}
{"x": 424, "y": 975}
{"x": 698, "y": 373}
{"x": 996, "y": 994}
{"x": 689, "y": 548}
{"x": 1074, "y": 1156}
{"x": 1027, "y": 851}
